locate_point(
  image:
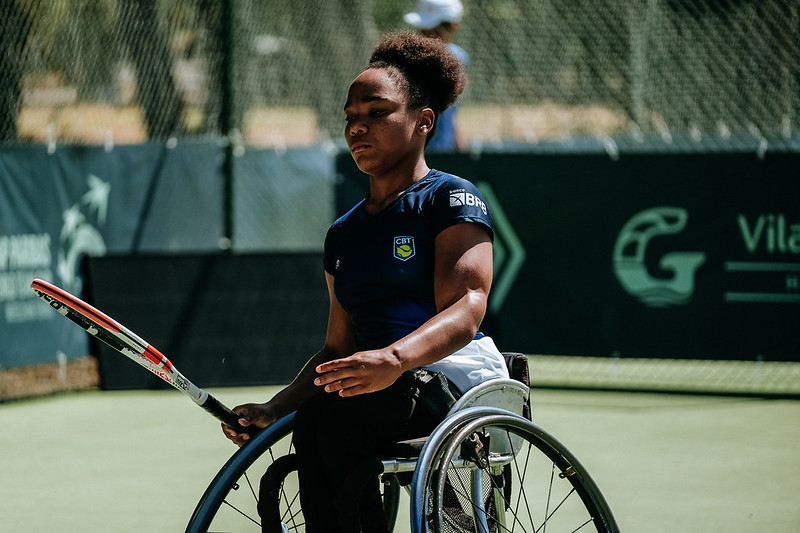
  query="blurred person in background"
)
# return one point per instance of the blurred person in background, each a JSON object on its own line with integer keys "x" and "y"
{"x": 441, "y": 19}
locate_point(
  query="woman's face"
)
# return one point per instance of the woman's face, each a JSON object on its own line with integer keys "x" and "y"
{"x": 381, "y": 131}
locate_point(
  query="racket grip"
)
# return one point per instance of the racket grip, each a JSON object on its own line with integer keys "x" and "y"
{"x": 228, "y": 417}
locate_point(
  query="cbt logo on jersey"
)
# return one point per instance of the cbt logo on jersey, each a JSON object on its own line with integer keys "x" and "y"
{"x": 459, "y": 197}
{"x": 404, "y": 248}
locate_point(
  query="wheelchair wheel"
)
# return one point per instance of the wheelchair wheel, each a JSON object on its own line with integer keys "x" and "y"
{"x": 259, "y": 484}
{"x": 500, "y": 472}
{"x": 230, "y": 502}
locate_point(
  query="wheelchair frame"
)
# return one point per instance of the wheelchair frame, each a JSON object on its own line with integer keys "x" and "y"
{"x": 491, "y": 416}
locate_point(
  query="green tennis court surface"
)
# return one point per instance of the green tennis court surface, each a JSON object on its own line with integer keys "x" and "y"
{"x": 139, "y": 461}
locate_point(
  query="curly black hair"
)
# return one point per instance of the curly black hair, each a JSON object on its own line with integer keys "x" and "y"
{"x": 432, "y": 75}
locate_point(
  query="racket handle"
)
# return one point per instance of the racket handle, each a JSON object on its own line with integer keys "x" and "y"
{"x": 228, "y": 417}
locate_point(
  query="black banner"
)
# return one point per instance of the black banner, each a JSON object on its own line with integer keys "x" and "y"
{"x": 673, "y": 255}
{"x": 222, "y": 319}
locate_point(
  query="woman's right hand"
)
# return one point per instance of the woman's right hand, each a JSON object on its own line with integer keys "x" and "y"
{"x": 250, "y": 414}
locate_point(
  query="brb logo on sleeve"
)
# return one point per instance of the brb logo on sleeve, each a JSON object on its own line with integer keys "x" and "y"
{"x": 459, "y": 197}
{"x": 404, "y": 248}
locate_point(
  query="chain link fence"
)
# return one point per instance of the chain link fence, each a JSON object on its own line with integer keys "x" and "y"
{"x": 714, "y": 74}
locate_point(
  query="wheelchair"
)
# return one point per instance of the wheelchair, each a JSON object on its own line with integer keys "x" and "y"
{"x": 486, "y": 468}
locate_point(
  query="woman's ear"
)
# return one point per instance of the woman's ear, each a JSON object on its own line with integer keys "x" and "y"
{"x": 425, "y": 120}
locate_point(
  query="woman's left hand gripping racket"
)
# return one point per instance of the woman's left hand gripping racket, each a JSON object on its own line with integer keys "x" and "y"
{"x": 134, "y": 347}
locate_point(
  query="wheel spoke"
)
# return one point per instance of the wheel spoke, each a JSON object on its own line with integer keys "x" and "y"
{"x": 256, "y": 522}
{"x": 528, "y": 474}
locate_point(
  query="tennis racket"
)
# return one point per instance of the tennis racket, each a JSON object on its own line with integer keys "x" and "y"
{"x": 111, "y": 332}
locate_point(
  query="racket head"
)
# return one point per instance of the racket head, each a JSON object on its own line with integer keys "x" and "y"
{"x": 109, "y": 331}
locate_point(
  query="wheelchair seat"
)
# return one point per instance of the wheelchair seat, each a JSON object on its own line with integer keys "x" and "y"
{"x": 511, "y": 394}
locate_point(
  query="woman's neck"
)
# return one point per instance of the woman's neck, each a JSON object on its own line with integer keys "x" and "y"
{"x": 383, "y": 190}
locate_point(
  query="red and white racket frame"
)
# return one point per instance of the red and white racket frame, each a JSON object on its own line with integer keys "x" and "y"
{"x": 114, "y": 334}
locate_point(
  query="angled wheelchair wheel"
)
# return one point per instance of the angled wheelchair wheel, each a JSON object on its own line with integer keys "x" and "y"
{"x": 498, "y": 472}
{"x": 230, "y": 503}
{"x": 257, "y": 489}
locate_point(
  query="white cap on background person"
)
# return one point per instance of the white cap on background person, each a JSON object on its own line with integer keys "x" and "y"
{"x": 431, "y": 13}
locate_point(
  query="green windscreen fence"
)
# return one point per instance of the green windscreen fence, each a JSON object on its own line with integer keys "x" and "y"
{"x": 597, "y": 261}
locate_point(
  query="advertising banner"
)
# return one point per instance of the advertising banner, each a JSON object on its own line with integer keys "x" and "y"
{"x": 57, "y": 207}
{"x": 657, "y": 255}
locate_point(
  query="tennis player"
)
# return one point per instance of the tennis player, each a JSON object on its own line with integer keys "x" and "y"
{"x": 408, "y": 270}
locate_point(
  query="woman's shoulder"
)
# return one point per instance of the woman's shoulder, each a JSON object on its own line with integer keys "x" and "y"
{"x": 342, "y": 220}
{"x": 443, "y": 183}
{"x": 439, "y": 179}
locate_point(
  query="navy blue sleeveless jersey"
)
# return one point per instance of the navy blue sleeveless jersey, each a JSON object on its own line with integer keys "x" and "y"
{"x": 383, "y": 264}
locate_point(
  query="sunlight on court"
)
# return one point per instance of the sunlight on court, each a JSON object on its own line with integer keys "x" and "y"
{"x": 124, "y": 461}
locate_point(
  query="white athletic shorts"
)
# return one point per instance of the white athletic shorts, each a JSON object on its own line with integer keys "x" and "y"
{"x": 478, "y": 361}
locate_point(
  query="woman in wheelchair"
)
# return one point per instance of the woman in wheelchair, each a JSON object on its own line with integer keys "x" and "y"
{"x": 408, "y": 271}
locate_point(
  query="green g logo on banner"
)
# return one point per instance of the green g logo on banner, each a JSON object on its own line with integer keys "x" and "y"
{"x": 629, "y": 259}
